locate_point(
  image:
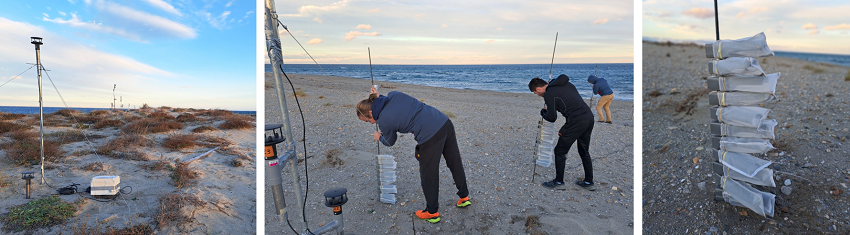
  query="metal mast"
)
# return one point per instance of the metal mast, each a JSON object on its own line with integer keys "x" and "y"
{"x": 37, "y": 42}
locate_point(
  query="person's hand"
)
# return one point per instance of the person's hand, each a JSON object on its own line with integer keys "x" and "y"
{"x": 543, "y": 112}
{"x": 373, "y": 90}
{"x": 377, "y": 135}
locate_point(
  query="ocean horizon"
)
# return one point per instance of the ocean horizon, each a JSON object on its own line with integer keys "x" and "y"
{"x": 34, "y": 110}
{"x": 497, "y": 77}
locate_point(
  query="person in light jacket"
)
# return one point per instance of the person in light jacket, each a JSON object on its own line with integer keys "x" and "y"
{"x": 601, "y": 88}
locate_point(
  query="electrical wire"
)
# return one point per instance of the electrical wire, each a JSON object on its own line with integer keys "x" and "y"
{"x": 13, "y": 78}
{"x": 304, "y": 137}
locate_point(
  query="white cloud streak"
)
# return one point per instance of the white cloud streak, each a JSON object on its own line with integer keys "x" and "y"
{"x": 162, "y": 5}
{"x": 353, "y": 34}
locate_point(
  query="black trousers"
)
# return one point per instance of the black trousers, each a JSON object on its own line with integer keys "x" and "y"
{"x": 574, "y": 131}
{"x": 428, "y": 153}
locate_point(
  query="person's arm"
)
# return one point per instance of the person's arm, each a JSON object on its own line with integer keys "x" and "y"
{"x": 550, "y": 112}
{"x": 388, "y": 135}
{"x": 596, "y": 89}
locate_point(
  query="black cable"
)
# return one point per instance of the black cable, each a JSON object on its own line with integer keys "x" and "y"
{"x": 304, "y": 138}
{"x": 290, "y": 227}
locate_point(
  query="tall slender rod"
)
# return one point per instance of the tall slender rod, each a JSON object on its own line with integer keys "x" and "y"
{"x": 553, "y": 56}
{"x": 716, "y": 21}
{"x": 37, "y": 42}
{"x": 276, "y": 59}
{"x": 369, "y": 50}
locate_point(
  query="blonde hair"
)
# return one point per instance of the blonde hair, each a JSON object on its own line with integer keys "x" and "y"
{"x": 365, "y": 105}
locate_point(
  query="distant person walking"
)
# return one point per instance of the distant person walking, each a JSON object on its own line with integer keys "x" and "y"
{"x": 434, "y": 134}
{"x": 601, "y": 88}
{"x": 561, "y": 96}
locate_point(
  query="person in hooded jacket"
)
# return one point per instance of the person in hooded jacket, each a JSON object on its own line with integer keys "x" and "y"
{"x": 601, "y": 88}
{"x": 434, "y": 134}
{"x": 561, "y": 96}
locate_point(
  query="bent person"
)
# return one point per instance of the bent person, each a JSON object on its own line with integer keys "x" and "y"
{"x": 434, "y": 134}
{"x": 561, "y": 96}
{"x": 601, "y": 88}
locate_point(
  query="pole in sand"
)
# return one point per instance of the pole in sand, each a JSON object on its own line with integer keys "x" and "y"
{"x": 540, "y": 124}
{"x": 377, "y": 143}
{"x": 37, "y": 42}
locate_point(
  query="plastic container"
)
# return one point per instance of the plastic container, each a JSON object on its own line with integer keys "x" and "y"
{"x": 388, "y": 166}
{"x": 387, "y": 180}
{"x": 388, "y": 198}
{"x": 764, "y": 131}
{"x": 755, "y": 46}
{"x": 744, "y": 66}
{"x": 759, "y": 84}
{"x": 745, "y": 145}
{"x": 742, "y": 163}
{"x": 388, "y": 189}
{"x": 746, "y": 116}
{"x": 738, "y": 98}
{"x": 747, "y": 196}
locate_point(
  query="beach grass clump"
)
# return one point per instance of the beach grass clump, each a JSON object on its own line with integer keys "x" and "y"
{"x": 171, "y": 209}
{"x": 161, "y": 115}
{"x": 93, "y": 166}
{"x": 24, "y": 149}
{"x": 6, "y": 127}
{"x": 84, "y": 229}
{"x": 67, "y": 112}
{"x": 327, "y": 104}
{"x": 236, "y": 163}
{"x": 186, "y": 117}
{"x": 11, "y": 116}
{"x": 847, "y": 77}
{"x": 6, "y": 181}
{"x": 688, "y": 104}
{"x": 150, "y": 125}
{"x": 88, "y": 119}
{"x": 71, "y": 135}
{"x": 126, "y": 146}
{"x": 300, "y": 93}
{"x": 216, "y": 112}
{"x": 204, "y": 128}
{"x": 107, "y": 123}
{"x": 42, "y": 212}
{"x": 184, "y": 175}
{"x": 215, "y": 141}
{"x": 98, "y": 112}
{"x": 449, "y": 114}
{"x": 180, "y": 141}
{"x": 236, "y": 122}
{"x": 814, "y": 69}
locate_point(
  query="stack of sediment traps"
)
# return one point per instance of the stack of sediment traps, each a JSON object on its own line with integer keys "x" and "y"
{"x": 386, "y": 178}
{"x": 546, "y": 142}
{"x": 739, "y": 125}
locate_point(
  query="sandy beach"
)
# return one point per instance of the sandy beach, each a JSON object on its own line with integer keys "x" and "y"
{"x": 812, "y": 109}
{"x": 148, "y": 149}
{"x": 496, "y": 133}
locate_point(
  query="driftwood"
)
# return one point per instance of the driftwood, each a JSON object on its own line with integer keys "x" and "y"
{"x": 199, "y": 156}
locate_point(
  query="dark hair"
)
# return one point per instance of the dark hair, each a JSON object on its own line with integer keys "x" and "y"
{"x": 365, "y": 105}
{"x": 535, "y": 83}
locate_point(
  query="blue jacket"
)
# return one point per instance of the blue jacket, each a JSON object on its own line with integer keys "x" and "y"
{"x": 600, "y": 86}
{"x": 399, "y": 112}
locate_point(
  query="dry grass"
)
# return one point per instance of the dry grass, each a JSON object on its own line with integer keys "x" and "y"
{"x": 161, "y": 115}
{"x": 72, "y": 136}
{"x": 186, "y": 117}
{"x": 25, "y": 148}
{"x": 6, "y": 127}
{"x": 125, "y": 147}
{"x": 67, "y": 112}
{"x": 332, "y": 158}
{"x": 150, "y": 125}
{"x": 171, "y": 206}
{"x": 108, "y": 123}
{"x": 84, "y": 229}
{"x": 6, "y": 181}
{"x": 98, "y": 112}
{"x": 180, "y": 141}
{"x": 236, "y": 122}
{"x": 184, "y": 175}
{"x": 204, "y": 128}
{"x": 387, "y": 86}
{"x": 89, "y": 119}
{"x": 236, "y": 163}
{"x": 215, "y": 113}
{"x": 847, "y": 77}
{"x": 300, "y": 93}
{"x": 688, "y": 104}
{"x": 215, "y": 141}
{"x": 814, "y": 69}
{"x": 449, "y": 114}
{"x": 654, "y": 94}
{"x": 93, "y": 166}
{"x": 11, "y": 116}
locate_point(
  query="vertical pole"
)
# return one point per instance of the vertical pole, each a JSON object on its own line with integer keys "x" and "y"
{"x": 553, "y": 56}
{"x": 37, "y": 42}
{"x": 377, "y": 143}
{"x": 716, "y": 21}
{"x": 276, "y": 59}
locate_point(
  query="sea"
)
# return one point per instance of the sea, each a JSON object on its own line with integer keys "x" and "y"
{"x": 33, "y": 110}
{"x": 497, "y": 77}
{"x": 843, "y": 60}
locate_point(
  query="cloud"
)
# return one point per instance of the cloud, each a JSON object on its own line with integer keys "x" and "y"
{"x": 309, "y": 10}
{"x": 489, "y": 41}
{"x": 809, "y": 26}
{"x": 364, "y": 26}
{"x": 376, "y": 10}
{"x": 758, "y": 9}
{"x": 499, "y": 29}
{"x": 96, "y": 27}
{"x": 162, "y": 5}
{"x": 814, "y": 31}
{"x": 599, "y": 21}
{"x": 314, "y": 41}
{"x": 445, "y": 26}
{"x": 230, "y": 3}
{"x": 699, "y": 12}
{"x": 139, "y": 26}
{"x": 219, "y": 21}
{"x": 62, "y": 13}
{"x": 838, "y": 27}
{"x": 353, "y": 34}
{"x": 317, "y": 20}
{"x": 417, "y": 16}
{"x": 740, "y": 15}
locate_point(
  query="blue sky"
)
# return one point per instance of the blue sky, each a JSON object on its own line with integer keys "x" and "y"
{"x": 819, "y": 26}
{"x": 458, "y": 32}
{"x": 178, "y": 53}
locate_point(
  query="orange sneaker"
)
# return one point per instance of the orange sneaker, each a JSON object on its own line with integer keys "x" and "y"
{"x": 431, "y": 218}
{"x": 463, "y": 202}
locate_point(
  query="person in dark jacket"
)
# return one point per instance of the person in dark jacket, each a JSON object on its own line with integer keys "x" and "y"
{"x": 601, "y": 88}
{"x": 561, "y": 96}
{"x": 434, "y": 134}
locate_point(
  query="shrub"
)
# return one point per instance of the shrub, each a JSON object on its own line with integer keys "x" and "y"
{"x": 108, "y": 123}
{"x": 10, "y": 127}
{"x": 204, "y": 128}
{"x": 149, "y": 125}
{"x": 98, "y": 112}
{"x": 43, "y": 212}
{"x": 125, "y": 147}
{"x": 25, "y": 148}
{"x": 814, "y": 69}
{"x": 93, "y": 166}
{"x": 170, "y": 207}
{"x": 67, "y": 112}
{"x": 6, "y": 181}
{"x": 11, "y": 116}
{"x": 235, "y": 122}
{"x": 186, "y": 117}
{"x": 183, "y": 175}
{"x": 161, "y": 115}
{"x": 180, "y": 141}
{"x": 216, "y": 112}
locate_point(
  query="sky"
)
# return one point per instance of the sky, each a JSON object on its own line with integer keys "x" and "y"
{"x": 177, "y": 53}
{"x": 457, "y": 32}
{"x": 814, "y": 26}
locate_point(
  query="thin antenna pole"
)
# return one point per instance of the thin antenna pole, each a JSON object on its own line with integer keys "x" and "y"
{"x": 716, "y": 21}
{"x": 37, "y": 42}
{"x": 553, "y": 56}
{"x": 369, "y": 50}
{"x": 113, "y": 96}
